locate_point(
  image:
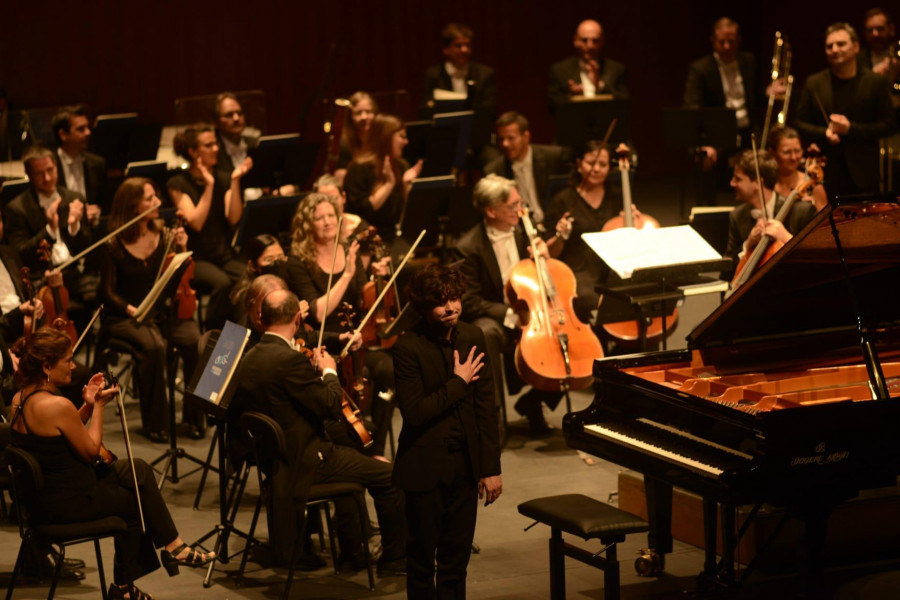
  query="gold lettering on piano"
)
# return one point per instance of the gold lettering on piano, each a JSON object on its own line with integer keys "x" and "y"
{"x": 820, "y": 459}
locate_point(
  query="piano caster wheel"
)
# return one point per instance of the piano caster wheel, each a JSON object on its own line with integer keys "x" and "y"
{"x": 649, "y": 563}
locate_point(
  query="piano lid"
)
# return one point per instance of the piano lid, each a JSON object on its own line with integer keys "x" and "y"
{"x": 796, "y": 309}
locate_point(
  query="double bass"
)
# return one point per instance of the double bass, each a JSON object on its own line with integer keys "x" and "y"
{"x": 556, "y": 351}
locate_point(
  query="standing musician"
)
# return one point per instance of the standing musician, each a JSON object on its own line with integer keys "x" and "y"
{"x": 582, "y": 207}
{"x": 845, "y": 110}
{"x": 65, "y": 445}
{"x": 489, "y": 252}
{"x": 784, "y": 146}
{"x": 355, "y": 134}
{"x": 881, "y": 51}
{"x": 301, "y": 395}
{"x": 587, "y": 73}
{"x": 133, "y": 261}
{"x": 211, "y": 205}
{"x": 314, "y": 233}
{"x": 378, "y": 182}
{"x": 449, "y": 454}
{"x": 746, "y": 223}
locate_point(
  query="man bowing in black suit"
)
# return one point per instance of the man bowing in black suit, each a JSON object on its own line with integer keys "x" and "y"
{"x": 449, "y": 452}
{"x": 587, "y": 73}
{"x": 845, "y": 109}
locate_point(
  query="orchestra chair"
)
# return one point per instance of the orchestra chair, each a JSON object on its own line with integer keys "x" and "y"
{"x": 580, "y": 515}
{"x": 268, "y": 448}
{"x": 109, "y": 350}
{"x": 28, "y": 481}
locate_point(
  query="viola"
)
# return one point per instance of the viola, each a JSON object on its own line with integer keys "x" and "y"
{"x": 767, "y": 246}
{"x": 30, "y": 321}
{"x": 55, "y": 298}
{"x": 556, "y": 351}
{"x": 628, "y": 333}
{"x": 371, "y": 243}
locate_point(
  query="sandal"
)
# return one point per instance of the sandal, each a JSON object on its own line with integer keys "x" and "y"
{"x": 194, "y": 558}
{"x": 119, "y": 593}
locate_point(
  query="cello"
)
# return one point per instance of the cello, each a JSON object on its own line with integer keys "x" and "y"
{"x": 629, "y": 332}
{"x": 556, "y": 351}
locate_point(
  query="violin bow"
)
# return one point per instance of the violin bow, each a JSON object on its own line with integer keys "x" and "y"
{"x": 384, "y": 291}
{"x": 108, "y": 236}
{"x": 759, "y": 182}
{"x": 120, "y": 404}
{"x": 609, "y": 130}
{"x": 87, "y": 328}
{"x": 337, "y": 242}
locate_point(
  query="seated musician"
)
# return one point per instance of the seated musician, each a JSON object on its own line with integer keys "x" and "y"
{"x": 529, "y": 165}
{"x": 746, "y": 222}
{"x": 132, "y": 263}
{"x": 301, "y": 395}
{"x": 582, "y": 207}
{"x": 314, "y": 232}
{"x": 586, "y": 73}
{"x": 211, "y": 205}
{"x": 49, "y": 212}
{"x": 784, "y": 146}
{"x": 355, "y": 135}
{"x": 79, "y": 170}
{"x": 330, "y": 185}
{"x": 66, "y": 441}
{"x": 232, "y": 133}
{"x": 378, "y": 181}
{"x": 264, "y": 255}
{"x": 489, "y": 252}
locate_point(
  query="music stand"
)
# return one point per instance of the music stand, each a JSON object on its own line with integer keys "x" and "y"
{"x": 690, "y": 128}
{"x": 448, "y": 140}
{"x": 712, "y": 223}
{"x": 268, "y": 214}
{"x": 11, "y": 189}
{"x": 274, "y": 157}
{"x": 426, "y": 203}
{"x": 111, "y": 137}
{"x": 211, "y": 389}
{"x": 578, "y": 121}
{"x": 417, "y": 134}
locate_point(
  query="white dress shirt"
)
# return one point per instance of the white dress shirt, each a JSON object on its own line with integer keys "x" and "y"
{"x": 9, "y": 299}
{"x": 735, "y": 94}
{"x": 588, "y": 89}
{"x": 459, "y": 78}
{"x": 73, "y": 168}
{"x": 523, "y": 172}
{"x": 237, "y": 152}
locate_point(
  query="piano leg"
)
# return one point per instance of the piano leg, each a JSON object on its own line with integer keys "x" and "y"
{"x": 659, "y": 514}
{"x": 710, "y": 536}
{"x": 729, "y": 541}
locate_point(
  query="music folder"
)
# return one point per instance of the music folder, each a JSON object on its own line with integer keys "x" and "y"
{"x": 219, "y": 362}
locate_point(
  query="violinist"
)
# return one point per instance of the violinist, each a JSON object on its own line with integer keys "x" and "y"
{"x": 66, "y": 441}
{"x": 489, "y": 252}
{"x": 784, "y": 146}
{"x": 355, "y": 134}
{"x": 331, "y": 186}
{"x": 746, "y": 222}
{"x": 301, "y": 395}
{"x": 582, "y": 207}
{"x": 379, "y": 180}
{"x": 314, "y": 234}
{"x": 131, "y": 265}
{"x": 212, "y": 204}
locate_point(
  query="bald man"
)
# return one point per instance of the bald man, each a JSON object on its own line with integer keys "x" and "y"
{"x": 587, "y": 73}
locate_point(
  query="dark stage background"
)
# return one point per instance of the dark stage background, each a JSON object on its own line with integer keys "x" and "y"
{"x": 128, "y": 56}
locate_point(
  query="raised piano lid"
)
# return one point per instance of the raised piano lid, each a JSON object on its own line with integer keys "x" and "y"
{"x": 796, "y": 309}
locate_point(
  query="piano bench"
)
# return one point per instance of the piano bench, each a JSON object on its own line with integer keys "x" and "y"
{"x": 587, "y": 518}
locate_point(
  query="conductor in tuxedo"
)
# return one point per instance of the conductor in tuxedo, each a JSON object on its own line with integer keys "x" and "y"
{"x": 587, "y": 73}
{"x": 857, "y": 105}
{"x": 449, "y": 451}
{"x": 529, "y": 165}
{"x": 79, "y": 170}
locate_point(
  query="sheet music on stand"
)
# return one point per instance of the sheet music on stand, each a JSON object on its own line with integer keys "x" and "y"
{"x": 164, "y": 280}
{"x": 633, "y": 253}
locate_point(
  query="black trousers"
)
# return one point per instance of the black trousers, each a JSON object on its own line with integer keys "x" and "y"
{"x": 150, "y": 371}
{"x": 346, "y": 465}
{"x": 219, "y": 279}
{"x": 441, "y": 525}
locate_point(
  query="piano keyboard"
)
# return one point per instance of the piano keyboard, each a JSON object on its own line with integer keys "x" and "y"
{"x": 672, "y": 445}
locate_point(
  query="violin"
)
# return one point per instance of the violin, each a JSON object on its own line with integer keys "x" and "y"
{"x": 371, "y": 243}
{"x": 55, "y": 298}
{"x": 767, "y": 246}
{"x": 30, "y": 322}
{"x": 556, "y": 351}
{"x": 628, "y": 333}
{"x": 185, "y": 296}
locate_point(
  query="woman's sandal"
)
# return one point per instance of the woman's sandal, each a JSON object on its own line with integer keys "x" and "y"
{"x": 194, "y": 558}
{"x": 119, "y": 593}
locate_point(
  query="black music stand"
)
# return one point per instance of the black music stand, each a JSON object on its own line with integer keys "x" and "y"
{"x": 447, "y": 142}
{"x": 11, "y": 189}
{"x": 417, "y": 134}
{"x": 211, "y": 389}
{"x": 425, "y": 205}
{"x": 268, "y": 214}
{"x": 111, "y": 138}
{"x": 578, "y": 121}
{"x": 276, "y": 161}
{"x": 690, "y": 128}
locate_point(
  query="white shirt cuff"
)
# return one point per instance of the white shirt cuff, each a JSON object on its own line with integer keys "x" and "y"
{"x": 328, "y": 371}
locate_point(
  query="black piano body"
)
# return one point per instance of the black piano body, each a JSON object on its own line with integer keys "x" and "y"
{"x": 773, "y": 400}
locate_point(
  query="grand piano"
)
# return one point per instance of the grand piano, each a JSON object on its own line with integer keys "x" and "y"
{"x": 788, "y": 393}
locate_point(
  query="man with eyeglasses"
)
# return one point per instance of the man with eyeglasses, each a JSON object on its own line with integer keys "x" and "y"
{"x": 232, "y": 132}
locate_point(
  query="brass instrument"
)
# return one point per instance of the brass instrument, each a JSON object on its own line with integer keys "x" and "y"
{"x": 777, "y": 59}
{"x": 789, "y": 84}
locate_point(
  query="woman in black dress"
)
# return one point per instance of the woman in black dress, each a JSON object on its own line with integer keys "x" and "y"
{"x": 582, "y": 207}
{"x": 264, "y": 255}
{"x": 66, "y": 441}
{"x": 133, "y": 261}
{"x": 211, "y": 206}
{"x": 315, "y": 232}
